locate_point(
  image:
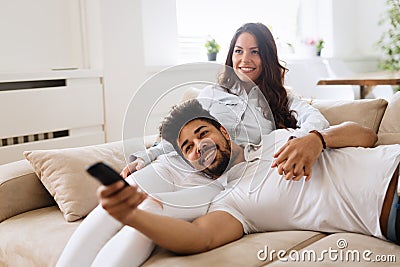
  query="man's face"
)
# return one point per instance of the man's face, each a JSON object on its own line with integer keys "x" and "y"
{"x": 205, "y": 147}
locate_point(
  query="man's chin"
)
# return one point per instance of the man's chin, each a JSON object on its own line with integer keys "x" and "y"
{"x": 215, "y": 171}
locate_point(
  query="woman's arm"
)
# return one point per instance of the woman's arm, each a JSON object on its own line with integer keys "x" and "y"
{"x": 297, "y": 156}
{"x": 205, "y": 233}
{"x": 308, "y": 117}
{"x": 150, "y": 154}
{"x": 349, "y": 134}
{"x": 141, "y": 159}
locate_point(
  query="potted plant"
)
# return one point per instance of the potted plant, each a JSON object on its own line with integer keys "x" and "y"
{"x": 212, "y": 49}
{"x": 320, "y": 45}
{"x": 389, "y": 42}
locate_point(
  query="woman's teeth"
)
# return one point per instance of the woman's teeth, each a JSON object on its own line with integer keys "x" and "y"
{"x": 247, "y": 69}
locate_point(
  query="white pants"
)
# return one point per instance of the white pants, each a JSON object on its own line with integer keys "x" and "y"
{"x": 100, "y": 240}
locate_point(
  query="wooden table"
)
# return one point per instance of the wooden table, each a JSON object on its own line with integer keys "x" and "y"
{"x": 366, "y": 81}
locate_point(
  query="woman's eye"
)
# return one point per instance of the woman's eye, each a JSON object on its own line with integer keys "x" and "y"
{"x": 238, "y": 51}
{"x": 255, "y": 52}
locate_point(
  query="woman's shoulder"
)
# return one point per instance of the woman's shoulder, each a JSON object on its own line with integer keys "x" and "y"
{"x": 213, "y": 91}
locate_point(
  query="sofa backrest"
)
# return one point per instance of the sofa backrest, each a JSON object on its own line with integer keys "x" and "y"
{"x": 21, "y": 190}
{"x": 367, "y": 112}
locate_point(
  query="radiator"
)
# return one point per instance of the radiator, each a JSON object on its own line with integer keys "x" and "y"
{"x": 50, "y": 110}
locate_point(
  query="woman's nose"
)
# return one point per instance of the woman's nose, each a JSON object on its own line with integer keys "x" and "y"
{"x": 245, "y": 57}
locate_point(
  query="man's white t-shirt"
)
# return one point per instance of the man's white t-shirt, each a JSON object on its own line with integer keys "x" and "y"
{"x": 345, "y": 193}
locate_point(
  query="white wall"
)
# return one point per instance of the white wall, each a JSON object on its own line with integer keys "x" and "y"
{"x": 123, "y": 59}
{"x": 160, "y": 36}
{"x": 355, "y": 31}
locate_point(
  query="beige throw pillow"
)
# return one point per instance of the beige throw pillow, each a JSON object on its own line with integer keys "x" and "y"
{"x": 63, "y": 173}
{"x": 389, "y": 131}
{"x": 367, "y": 112}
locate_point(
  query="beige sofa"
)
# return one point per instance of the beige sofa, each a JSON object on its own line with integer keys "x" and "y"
{"x": 35, "y": 224}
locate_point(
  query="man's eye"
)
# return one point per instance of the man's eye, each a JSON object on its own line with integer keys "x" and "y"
{"x": 187, "y": 148}
{"x": 202, "y": 134}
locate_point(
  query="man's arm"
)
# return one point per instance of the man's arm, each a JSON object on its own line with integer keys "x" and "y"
{"x": 205, "y": 233}
{"x": 297, "y": 156}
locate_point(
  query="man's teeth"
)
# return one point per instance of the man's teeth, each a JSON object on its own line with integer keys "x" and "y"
{"x": 208, "y": 156}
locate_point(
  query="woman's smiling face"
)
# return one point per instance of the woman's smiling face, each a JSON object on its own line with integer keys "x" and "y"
{"x": 246, "y": 57}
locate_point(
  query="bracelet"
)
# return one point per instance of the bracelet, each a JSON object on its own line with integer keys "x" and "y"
{"x": 320, "y": 137}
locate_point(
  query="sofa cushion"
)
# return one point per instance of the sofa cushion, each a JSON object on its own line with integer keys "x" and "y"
{"x": 62, "y": 172}
{"x": 243, "y": 252}
{"x": 389, "y": 131}
{"x": 367, "y": 112}
{"x": 35, "y": 238}
{"x": 20, "y": 190}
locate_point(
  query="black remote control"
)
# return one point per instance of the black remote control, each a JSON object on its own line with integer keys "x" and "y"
{"x": 105, "y": 174}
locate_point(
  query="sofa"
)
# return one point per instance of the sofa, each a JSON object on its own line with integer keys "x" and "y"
{"x": 44, "y": 197}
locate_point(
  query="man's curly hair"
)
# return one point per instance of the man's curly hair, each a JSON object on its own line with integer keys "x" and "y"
{"x": 181, "y": 115}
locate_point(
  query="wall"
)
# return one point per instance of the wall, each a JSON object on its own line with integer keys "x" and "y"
{"x": 355, "y": 31}
{"x": 123, "y": 59}
{"x": 161, "y": 35}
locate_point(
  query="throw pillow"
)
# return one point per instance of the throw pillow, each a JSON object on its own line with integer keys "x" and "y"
{"x": 389, "y": 131}
{"x": 367, "y": 112}
{"x": 63, "y": 173}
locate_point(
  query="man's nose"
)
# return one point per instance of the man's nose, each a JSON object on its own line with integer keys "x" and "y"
{"x": 196, "y": 151}
{"x": 201, "y": 145}
{"x": 198, "y": 144}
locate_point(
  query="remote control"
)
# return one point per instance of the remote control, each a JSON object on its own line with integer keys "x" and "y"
{"x": 105, "y": 174}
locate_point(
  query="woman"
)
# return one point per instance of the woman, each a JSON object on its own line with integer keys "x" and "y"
{"x": 253, "y": 57}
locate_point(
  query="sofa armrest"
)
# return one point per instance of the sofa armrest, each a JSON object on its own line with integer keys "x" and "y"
{"x": 21, "y": 190}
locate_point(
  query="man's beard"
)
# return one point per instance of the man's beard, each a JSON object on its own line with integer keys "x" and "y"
{"x": 222, "y": 163}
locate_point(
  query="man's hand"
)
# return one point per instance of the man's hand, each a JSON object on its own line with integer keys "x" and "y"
{"x": 135, "y": 165}
{"x": 296, "y": 157}
{"x": 120, "y": 201}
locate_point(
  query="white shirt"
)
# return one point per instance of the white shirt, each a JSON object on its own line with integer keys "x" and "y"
{"x": 245, "y": 117}
{"x": 345, "y": 193}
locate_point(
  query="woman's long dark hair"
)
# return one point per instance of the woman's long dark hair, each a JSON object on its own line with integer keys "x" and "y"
{"x": 272, "y": 77}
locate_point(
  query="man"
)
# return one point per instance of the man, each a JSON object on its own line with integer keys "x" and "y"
{"x": 352, "y": 189}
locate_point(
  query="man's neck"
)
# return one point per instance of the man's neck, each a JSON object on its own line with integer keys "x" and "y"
{"x": 237, "y": 155}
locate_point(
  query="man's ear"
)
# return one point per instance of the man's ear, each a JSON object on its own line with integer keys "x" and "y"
{"x": 225, "y": 133}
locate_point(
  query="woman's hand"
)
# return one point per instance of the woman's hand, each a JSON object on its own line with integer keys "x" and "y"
{"x": 296, "y": 157}
{"x": 135, "y": 165}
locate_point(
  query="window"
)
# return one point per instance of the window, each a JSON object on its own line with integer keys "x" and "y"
{"x": 198, "y": 20}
